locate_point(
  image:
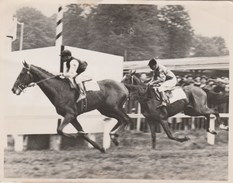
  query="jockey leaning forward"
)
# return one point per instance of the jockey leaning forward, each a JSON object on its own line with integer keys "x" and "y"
{"x": 163, "y": 79}
{"x": 74, "y": 67}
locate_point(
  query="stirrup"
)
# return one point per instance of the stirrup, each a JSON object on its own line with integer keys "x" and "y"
{"x": 81, "y": 96}
{"x": 82, "y": 133}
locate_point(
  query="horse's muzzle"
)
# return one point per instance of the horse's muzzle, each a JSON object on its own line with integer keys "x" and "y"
{"x": 16, "y": 91}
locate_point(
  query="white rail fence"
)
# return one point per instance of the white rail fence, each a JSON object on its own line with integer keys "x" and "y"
{"x": 92, "y": 124}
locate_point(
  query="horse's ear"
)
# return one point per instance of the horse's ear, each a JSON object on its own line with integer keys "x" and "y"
{"x": 25, "y": 64}
{"x": 133, "y": 72}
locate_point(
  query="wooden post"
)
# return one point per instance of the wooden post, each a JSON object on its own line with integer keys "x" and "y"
{"x": 108, "y": 125}
{"x": 55, "y": 142}
{"x": 18, "y": 143}
{"x": 211, "y": 137}
{"x": 139, "y": 118}
{"x": 192, "y": 123}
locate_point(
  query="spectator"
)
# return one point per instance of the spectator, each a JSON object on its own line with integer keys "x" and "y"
{"x": 203, "y": 81}
{"x": 197, "y": 81}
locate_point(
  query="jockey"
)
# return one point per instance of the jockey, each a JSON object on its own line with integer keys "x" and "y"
{"x": 74, "y": 67}
{"x": 162, "y": 77}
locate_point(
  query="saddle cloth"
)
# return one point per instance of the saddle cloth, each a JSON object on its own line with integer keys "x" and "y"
{"x": 173, "y": 95}
{"x": 177, "y": 93}
{"x": 88, "y": 83}
{"x": 91, "y": 85}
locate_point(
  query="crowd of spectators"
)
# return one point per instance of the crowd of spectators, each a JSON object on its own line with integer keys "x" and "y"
{"x": 216, "y": 84}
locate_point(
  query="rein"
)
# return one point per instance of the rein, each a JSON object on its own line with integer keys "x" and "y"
{"x": 136, "y": 93}
{"x": 36, "y": 83}
{"x": 22, "y": 87}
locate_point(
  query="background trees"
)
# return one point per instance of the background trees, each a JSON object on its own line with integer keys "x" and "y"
{"x": 39, "y": 30}
{"x": 137, "y": 32}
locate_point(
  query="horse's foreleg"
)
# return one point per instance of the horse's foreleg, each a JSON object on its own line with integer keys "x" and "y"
{"x": 167, "y": 130}
{"x": 152, "y": 130}
{"x": 78, "y": 127}
{"x": 67, "y": 119}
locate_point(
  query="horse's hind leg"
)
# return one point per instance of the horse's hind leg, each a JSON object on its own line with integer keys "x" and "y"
{"x": 219, "y": 122}
{"x": 205, "y": 111}
{"x": 122, "y": 121}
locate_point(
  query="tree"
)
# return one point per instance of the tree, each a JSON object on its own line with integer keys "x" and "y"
{"x": 131, "y": 29}
{"x": 208, "y": 46}
{"x": 174, "y": 21}
{"x": 75, "y": 26}
{"x": 39, "y": 30}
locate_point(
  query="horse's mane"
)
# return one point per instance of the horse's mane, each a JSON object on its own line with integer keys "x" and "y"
{"x": 138, "y": 88}
{"x": 45, "y": 71}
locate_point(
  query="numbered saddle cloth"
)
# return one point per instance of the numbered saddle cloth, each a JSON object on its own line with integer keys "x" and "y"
{"x": 175, "y": 94}
{"x": 91, "y": 85}
{"x": 88, "y": 83}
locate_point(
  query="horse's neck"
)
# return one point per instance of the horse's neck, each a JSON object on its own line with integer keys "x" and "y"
{"x": 39, "y": 74}
{"x": 137, "y": 81}
{"x": 45, "y": 80}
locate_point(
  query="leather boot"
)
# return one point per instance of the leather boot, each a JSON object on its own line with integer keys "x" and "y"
{"x": 81, "y": 93}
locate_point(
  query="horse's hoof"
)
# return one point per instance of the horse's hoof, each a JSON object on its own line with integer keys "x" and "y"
{"x": 114, "y": 139}
{"x": 223, "y": 127}
{"x": 103, "y": 150}
{"x": 212, "y": 131}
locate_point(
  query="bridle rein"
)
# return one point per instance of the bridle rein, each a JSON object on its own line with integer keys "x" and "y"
{"x": 21, "y": 86}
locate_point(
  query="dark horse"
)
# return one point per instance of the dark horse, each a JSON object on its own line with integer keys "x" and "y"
{"x": 194, "y": 105}
{"x": 108, "y": 101}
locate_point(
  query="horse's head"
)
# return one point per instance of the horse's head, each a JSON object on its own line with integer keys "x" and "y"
{"x": 23, "y": 80}
{"x": 131, "y": 78}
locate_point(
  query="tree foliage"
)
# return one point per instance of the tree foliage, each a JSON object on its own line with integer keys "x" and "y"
{"x": 39, "y": 30}
{"x": 137, "y": 32}
{"x": 208, "y": 46}
{"x": 175, "y": 22}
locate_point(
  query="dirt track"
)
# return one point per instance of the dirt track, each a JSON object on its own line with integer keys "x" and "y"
{"x": 133, "y": 159}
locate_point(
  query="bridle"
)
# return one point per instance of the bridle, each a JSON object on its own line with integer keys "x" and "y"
{"x": 136, "y": 93}
{"x": 21, "y": 86}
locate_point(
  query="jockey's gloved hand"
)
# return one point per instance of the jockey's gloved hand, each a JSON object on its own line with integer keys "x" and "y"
{"x": 61, "y": 75}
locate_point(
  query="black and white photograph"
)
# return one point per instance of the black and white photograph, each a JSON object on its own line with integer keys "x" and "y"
{"x": 101, "y": 91}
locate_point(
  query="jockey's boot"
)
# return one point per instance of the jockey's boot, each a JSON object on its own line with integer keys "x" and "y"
{"x": 72, "y": 83}
{"x": 163, "y": 98}
{"x": 82, "y": 94}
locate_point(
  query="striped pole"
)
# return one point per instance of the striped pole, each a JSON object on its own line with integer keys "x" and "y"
{"x": 59, "y": 35}
{"x": 59, "y": 27}
{"x": 55, "y": 141}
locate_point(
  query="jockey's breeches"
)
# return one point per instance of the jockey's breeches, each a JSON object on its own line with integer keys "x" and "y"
{"x": 167, "y": 85}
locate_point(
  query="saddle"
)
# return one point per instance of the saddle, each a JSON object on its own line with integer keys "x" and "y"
{"x": 87, "y": 85}
{"x": 174, "y": 94}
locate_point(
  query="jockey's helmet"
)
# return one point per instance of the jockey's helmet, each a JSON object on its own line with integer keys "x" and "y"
{"x": 152, "y": 62}
{"x": 65, "y": 53}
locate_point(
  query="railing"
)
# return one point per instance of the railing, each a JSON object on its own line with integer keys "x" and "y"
{"x": 92, "y": 124}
